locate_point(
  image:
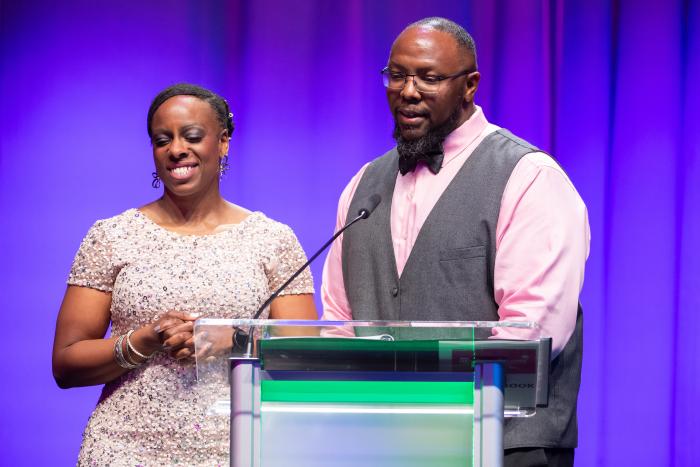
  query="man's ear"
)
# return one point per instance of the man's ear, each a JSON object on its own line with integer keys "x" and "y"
{"x": 471, "y": 85}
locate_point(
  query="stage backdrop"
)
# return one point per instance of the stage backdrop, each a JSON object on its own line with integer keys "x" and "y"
{"x": 609, "y": 87}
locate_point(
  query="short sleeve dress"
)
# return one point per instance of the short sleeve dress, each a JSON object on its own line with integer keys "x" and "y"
{"x": 154, "y": 415}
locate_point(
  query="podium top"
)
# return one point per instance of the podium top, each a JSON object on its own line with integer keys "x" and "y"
{"x": 244, "y": 338}
{"x": 214, "y": 322}
{"x": 240, "y": 337}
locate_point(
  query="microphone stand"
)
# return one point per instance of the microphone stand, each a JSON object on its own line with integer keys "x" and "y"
{"x": 362, "y": 214}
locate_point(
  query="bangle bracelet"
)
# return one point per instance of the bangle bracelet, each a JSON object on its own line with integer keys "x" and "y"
{"x": 127, "y": 354}
{"x": 131, "y": 349}
{"x": 119, "y": 354}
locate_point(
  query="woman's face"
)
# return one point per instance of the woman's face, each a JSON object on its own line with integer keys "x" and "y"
{"x": 188, "y": 143}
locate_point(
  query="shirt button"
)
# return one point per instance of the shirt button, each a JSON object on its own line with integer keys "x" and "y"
{"x": 395, "y": 292}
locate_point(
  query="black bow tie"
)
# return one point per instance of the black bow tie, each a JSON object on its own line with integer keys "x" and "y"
{"x": 433, "y": 161}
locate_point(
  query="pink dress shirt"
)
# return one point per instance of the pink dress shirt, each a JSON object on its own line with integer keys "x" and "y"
{"x": 542, "y": 236}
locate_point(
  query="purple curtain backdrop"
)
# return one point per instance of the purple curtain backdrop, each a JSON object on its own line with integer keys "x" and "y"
{"x": 607, "y": 86}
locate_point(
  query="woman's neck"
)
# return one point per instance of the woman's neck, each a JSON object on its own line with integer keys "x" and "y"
{"x": 177, "y": 210}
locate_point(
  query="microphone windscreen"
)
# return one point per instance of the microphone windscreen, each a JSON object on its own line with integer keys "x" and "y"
{"x": 372, "y": 203}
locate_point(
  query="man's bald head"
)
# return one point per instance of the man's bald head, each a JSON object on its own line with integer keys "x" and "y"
{"x": 460, "y": 35}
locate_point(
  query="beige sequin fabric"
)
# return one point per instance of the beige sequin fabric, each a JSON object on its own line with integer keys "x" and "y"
{"x": 155, "y": 415}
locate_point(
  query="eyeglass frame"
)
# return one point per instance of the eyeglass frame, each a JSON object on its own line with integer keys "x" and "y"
{"x": 438, "y": 79}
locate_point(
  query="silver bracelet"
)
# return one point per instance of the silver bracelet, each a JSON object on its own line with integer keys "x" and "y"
{"x": 131, "y": 349}
{"x": 119, "y": 354}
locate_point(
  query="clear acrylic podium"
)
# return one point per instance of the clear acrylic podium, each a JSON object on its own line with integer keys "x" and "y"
{"x": 370, "y": 393}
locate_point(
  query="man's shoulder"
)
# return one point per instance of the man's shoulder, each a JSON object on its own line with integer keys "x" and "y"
{"x": 509, "y": 137}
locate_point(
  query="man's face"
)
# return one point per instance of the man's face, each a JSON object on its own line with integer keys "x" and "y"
{"x": 427, "y": 52}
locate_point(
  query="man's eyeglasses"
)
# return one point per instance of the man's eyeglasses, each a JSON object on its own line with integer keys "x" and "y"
{"x": 425, "y": 84}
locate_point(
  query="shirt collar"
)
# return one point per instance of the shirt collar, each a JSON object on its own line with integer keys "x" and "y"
{"x": 464, "y": 135}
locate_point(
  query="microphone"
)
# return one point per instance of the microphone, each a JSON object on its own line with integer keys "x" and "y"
{"x": 372, "y": 203}
{"x": 369, "y": 206}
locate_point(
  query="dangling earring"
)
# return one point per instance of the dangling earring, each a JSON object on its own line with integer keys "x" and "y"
{"x": 156, "y": 180}
{"x": 223, "y": 166}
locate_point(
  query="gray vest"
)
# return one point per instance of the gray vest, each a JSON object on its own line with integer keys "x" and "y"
{"x": 449, "y": 272}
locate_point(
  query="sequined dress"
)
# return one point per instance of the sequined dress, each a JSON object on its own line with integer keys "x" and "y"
{"x": 155, "y": 415}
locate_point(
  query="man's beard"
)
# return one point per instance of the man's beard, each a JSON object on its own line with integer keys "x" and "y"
{"x": 429, "y": 143}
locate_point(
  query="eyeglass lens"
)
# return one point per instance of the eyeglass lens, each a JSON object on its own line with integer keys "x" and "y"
{"x": 399, "y": 80}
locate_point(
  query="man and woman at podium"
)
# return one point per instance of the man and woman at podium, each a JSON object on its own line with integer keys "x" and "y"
{"x": 472, "y": 217}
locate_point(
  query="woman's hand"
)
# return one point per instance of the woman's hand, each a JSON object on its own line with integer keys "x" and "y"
{"x": 172, "y": 332}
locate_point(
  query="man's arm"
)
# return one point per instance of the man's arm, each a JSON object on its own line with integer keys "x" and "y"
{"x": 335, "y": 302}
{"x": 542, "y": 242}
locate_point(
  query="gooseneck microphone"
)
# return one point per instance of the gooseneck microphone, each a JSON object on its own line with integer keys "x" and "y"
{"x": 369, "y": 206}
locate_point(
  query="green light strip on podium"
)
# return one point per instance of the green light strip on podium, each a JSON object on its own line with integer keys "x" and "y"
{"x": 347, "y": 344}
{"x": 395, "y": 392}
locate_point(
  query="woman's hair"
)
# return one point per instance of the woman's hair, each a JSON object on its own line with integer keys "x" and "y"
{"x": 218, "y": 103}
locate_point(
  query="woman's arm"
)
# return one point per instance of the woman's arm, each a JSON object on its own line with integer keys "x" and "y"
{"x": 293, "y": 307}
{"x": 81, "y": 354}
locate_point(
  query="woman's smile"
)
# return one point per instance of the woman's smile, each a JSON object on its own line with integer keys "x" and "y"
{"x": 183, "y": 172}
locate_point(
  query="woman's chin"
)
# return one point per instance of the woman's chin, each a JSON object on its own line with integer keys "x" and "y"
{"x": 182, "y": 190}
{"x": 191, "y": 188}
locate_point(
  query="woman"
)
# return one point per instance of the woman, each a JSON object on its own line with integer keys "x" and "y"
{"x": 151, "y": 272}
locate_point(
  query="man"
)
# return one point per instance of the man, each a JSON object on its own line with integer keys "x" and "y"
{"x": 475, "y": 224}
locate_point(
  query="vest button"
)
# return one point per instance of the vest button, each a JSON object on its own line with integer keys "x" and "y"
{"x": 395, "y": 292}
